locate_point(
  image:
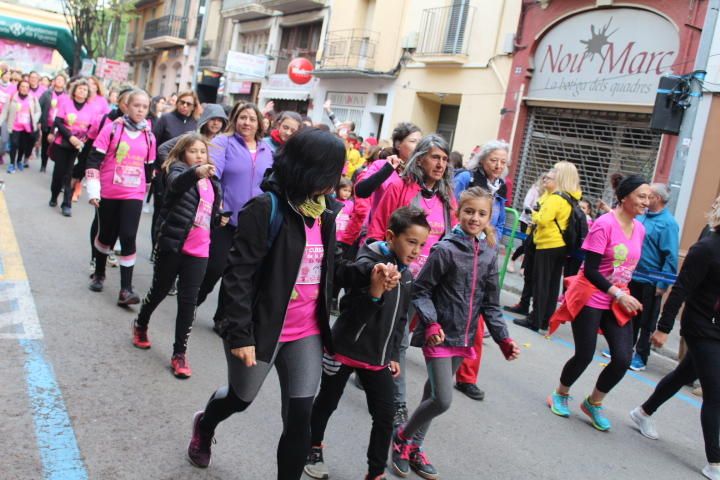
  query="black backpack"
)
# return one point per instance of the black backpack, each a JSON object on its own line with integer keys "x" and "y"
{"x": 577, "y": 228}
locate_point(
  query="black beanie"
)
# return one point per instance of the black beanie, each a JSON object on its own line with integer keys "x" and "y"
{"x": 628, "y": 185}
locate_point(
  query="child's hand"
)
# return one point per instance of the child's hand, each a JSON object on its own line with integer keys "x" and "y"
{"x": 205, "y": 171}
{"x": 437, "y": 339}
{"x": 510, "y": 349}
{"x": 395, "y": 369}
{"x": 377, "y": 280}
{"x": 392, "y": 277}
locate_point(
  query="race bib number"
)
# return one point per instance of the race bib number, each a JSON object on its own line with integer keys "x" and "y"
{"x": 311, "y": 266}
{"x": 128, "y": 176}
{"x": 23, "y": 118}
{"x": 203, "y": 215}
{"x": 341, "y": 222}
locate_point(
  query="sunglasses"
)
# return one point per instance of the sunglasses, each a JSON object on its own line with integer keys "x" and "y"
{"x": 187, "y": 104}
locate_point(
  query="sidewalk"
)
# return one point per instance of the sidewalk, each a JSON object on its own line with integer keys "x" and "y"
{"x": 514, "y": 284}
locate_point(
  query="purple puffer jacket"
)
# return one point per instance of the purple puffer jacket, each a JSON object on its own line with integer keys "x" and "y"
{"x": 239, "y": 175}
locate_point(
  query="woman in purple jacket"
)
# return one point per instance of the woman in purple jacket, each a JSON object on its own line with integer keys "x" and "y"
{"x": 241, "y": 159}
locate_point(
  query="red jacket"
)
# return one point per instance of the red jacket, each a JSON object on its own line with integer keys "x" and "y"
{"x": 578, "y": 293}
{"x": 400, "y": 194}
{"x": 360, "y": 213}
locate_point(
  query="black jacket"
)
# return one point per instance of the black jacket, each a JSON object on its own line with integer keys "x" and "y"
{"x": 172, "y": 125}
{"x": 259, "y": 278}
{"x": 45, "y": 101}
{"x": 370, "y": 331}
{"x": 480, "y": 180}
{"x": 181, "y": 202}
{"x": 698, "y": 286}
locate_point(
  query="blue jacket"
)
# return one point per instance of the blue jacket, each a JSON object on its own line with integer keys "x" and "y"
{"x": 661, "y": 245}
{"x": 466, "y": 179}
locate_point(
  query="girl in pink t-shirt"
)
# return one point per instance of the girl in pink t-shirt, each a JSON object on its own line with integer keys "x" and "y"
{"x": 117, "y": 179}
{"x": 343, "y": 194}
{"x": 612, "y": 250}
{"x": 193, "y": 197}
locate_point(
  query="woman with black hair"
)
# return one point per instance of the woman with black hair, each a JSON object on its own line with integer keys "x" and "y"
{"x": 277, "y": 288}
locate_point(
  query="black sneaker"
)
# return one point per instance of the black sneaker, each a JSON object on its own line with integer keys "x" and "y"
{"x": 199, "y": 449}
{"x": 401, "y": 455}
{"x": 471, "y": 390}
{"x": 518, "y": 308}
{"x": 315, "y": 465}
{"x": 67, "y": 212}
{"x": 96, "y": 282}
{"x": 52, "y": 203}
{"x": 524, "y": 322}
{"x": 127, "y": 297}
{"x": 421, "y": 465}
{"x": 401, "y": 415}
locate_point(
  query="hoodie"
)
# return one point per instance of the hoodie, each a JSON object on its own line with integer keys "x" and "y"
{"x": 553, "y": 216}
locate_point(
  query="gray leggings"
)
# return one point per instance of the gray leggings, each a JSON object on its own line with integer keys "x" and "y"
{"x": 437, "y": 396}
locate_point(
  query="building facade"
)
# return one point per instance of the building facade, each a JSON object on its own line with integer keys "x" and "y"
{"x": 582, "y": 86}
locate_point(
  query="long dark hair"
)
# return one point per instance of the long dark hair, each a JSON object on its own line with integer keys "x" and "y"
{"x": 311, "y": 161}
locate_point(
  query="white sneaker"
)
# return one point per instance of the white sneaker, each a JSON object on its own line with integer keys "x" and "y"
{"x": 712, "y": 471}
{"x": 645, "y": 424}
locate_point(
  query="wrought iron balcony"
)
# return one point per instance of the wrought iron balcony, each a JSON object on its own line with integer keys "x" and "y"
{"x": 348, "y": 53}
{"x": 167, "y": 31}
{"x": 445, "y": 33}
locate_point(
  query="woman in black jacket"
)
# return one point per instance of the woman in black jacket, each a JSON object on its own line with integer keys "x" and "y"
{"x": 193, "y": 199}
{"x": 278, "y": 286}
{"x": 698, "y": 286}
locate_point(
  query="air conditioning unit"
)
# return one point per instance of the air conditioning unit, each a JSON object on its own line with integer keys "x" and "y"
{"x": 410, "y": 42}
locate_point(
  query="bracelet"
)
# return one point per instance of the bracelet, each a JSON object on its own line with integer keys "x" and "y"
{"x": 619, "y": 294}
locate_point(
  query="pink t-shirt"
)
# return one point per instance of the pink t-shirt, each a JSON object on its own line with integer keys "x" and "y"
{"x": 55, "y": 102}
{"x": 100, "y": 106}
{"x": 349, "y": 362}
{"x": 23, "y": 118}
{"x": 37, "y": 93}
{"x": 122, "y": 172}
{"x": 620, "y": 254}
{"x": 301, "y": 319}
{"x": 435, "y": 210}
{"x": 77, "y": 121}
{"x": 197, "y": 243}
{"x": 343, "y": 218}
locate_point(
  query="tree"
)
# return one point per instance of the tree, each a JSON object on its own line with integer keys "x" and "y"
{"x": 96, "y": 26}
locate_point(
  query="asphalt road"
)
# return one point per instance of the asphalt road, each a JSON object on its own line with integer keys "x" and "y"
{"x": 131, "y": 418}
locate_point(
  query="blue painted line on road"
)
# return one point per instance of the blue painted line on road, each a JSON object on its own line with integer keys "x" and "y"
{"x": 56, "y": 440}
{"x": 7, "y": 306}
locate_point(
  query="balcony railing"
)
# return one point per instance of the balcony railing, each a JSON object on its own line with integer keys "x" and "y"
{"x": 167, "y": 26}
{"x": 446, "y": 30}
{"x": 350, "y": 50}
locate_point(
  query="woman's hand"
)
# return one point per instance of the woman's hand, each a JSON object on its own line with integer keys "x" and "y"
{"x": 95, "y": 202}
{"x": 396, "y": 162}
{"x": 395, "y": 369}
{"x": 630, "y": 304}
{"x": 246, "y": 354}
{"x": 50, "y": 138}
{"x": 205, "y": 171}
{"x": 659, "y": 338}
{"x": 76, "y": 142}
{"x": 436, "y": 339}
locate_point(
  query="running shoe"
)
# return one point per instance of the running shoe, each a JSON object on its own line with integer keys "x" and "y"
{"x": 52, "y": 203}
{"x": 470, "y": 390}
{"x": 20, "y": 167}
{"x": 66, "y": 212}
{"x": 526, "y": 323}
{"x": 200, "y": 444}
{"x": 559, "y": 404}
{"x": 112, "y": 260}
{"x": 421, "y": 465}
{"x": 401, "y": 454}
{"x": 96, "y": 282}
{"x": 644, "y": 423}
{"x": 401, "y": 415}
{"x": 637, "y": 364}
{"x": 595, "y": 412}
{"x": 127, "y": 297}
{"x": 10, "y": 169}
{"x": 315, "y": 464}
{"x": 606, "y": 353}
{"x": 180, "y": 365}
{"x": 518, "y": 308}
{"x": 712, "y": 471}
{"x": 140, "y": 336}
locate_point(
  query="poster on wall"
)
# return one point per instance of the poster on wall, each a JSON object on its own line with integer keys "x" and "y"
{"x": 24, "y": 56}
{"x": 614, "y": 55}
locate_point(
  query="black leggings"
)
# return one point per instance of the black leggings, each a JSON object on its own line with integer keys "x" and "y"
{"x": 645, "y": 322}
{"x": 21, "y": 145}
{"x": 169, "y": 266}
{"x": 585, "y": 328}
{"x": 44, "y": 145}
{"x": 64, "y": 159}
{"x": 220, "y": 243}
{"x": 547, "y": 271}
{"x": 118, "y": 219}
{"x": 378, "y": 386}
{"x": 700, "y": 362}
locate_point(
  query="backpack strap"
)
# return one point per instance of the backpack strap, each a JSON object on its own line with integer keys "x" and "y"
{"x": 275, "y": 219}
{"x": 572, "y": 203}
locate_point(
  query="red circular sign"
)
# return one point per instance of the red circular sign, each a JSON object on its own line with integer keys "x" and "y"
{"x": 300, "y": 71}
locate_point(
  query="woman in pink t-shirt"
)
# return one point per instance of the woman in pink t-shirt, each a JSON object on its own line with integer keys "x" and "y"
{"x": 117, "y": 173}
{"x": 193, "y": 197}
{"x": 612, "y": 250}
{"x": 20, "y": 117}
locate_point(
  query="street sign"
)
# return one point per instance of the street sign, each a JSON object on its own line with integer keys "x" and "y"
{"x": 110, "y": 69}
{"x": 246, "y": 65}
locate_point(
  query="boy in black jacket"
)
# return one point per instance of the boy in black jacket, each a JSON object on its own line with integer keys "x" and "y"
{"x": 366, "y": 339}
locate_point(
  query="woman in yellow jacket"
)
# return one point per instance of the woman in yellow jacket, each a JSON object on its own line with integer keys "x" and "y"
{"x": 550, "y": 249}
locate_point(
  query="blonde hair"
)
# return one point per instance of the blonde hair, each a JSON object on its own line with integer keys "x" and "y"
{"x": 566, "y": 177}
{"x": 476, "y": 193}
{"x": 177, "y": 154}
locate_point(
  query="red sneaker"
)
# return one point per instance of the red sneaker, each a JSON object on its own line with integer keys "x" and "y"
{"x": 180, "y": 366}
{"x": 140, "y": 336}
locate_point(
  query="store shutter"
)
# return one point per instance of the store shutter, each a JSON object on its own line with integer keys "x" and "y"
{"x": 599, "y": 143}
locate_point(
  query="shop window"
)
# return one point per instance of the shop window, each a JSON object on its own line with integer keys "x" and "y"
{"x": 298, "y": 41}
{"x": 381, "y": 99}
{"x": 348, "y": 107}
{"x": 254, "y": 43}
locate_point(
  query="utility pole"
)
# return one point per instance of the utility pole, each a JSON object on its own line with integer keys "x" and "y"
{"x": 201, "y": 41}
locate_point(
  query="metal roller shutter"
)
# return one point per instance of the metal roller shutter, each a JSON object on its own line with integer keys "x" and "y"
{"x": 599, "y": 143}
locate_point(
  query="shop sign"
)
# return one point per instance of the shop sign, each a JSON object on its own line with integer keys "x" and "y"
{"x": 612, "y": 55}
{"x": 281, "y": 81}
{"x": 239, "y": 87}
{"x": 343, "y": 99}
{"x": 110, "y": 69}
{"x": 246, "y": 65}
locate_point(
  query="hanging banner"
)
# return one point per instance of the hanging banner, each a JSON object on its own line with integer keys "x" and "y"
{"x": 614, "y": 55}
{"x": 246, "y": 65}
{"x": 24, "y": 55}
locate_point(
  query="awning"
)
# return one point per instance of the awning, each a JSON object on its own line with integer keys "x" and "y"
{"x": 272, "y": 93}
